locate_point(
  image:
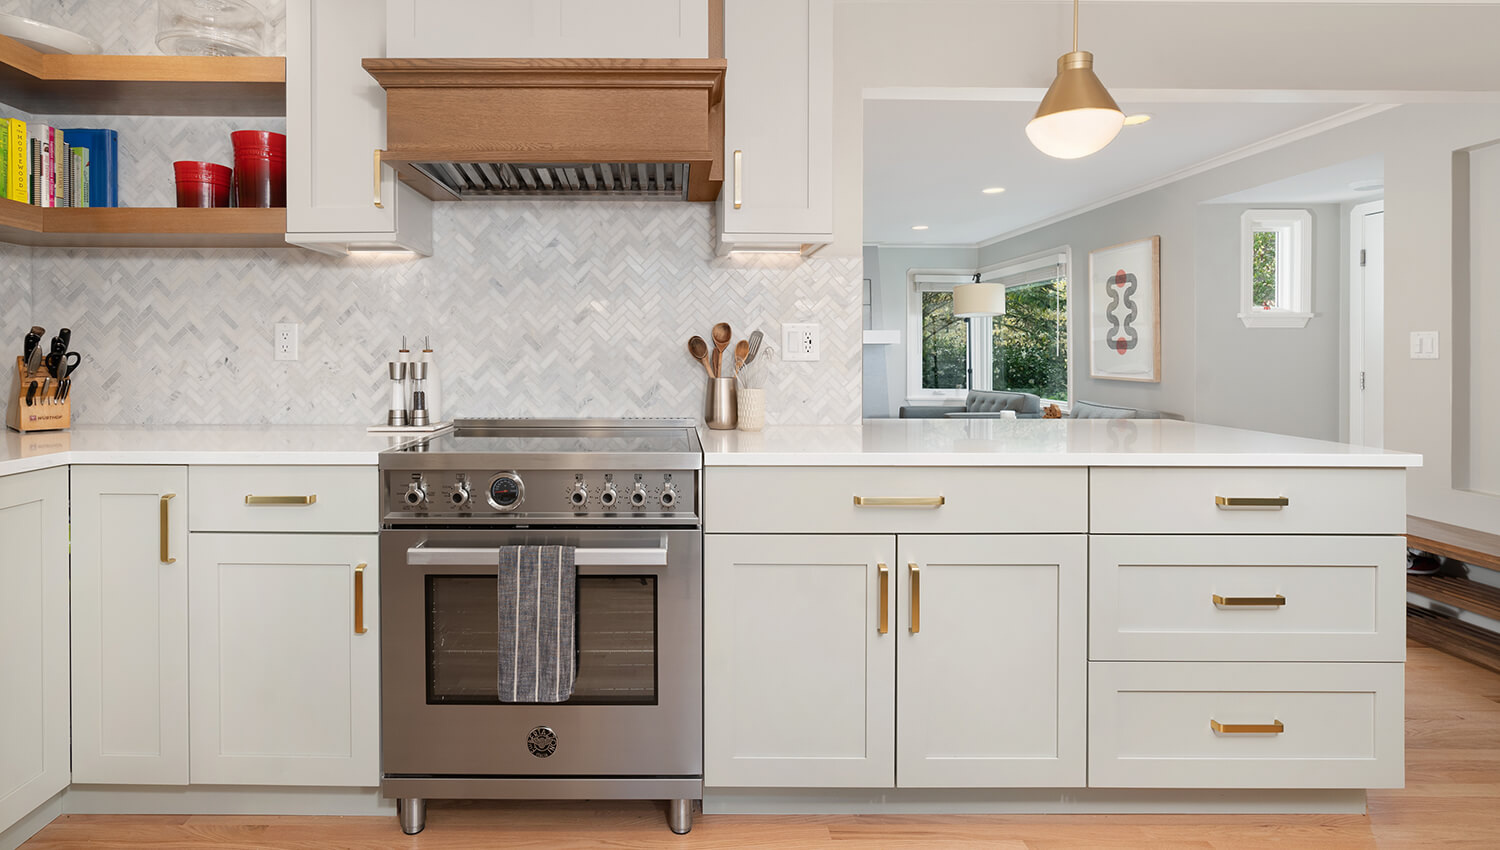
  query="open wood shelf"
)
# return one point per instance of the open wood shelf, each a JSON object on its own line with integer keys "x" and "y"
{"x": 1458, "y": 593}
{"x": 1476, "y": 548}
{"x": 61, "y": 84}
{"x": 152, "y": 227}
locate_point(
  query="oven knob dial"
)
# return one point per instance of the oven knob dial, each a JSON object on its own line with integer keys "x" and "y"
{"x": 608, "y": 496}
{"x": 416, "y": 494}
{"x": 638, "y": 495}
{"x": 579, "y": 496}
{"x": 668, "y": 496}
{"x": 460, "y": 494}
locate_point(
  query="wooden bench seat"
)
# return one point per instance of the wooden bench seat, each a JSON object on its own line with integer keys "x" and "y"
{"x": 1433, "y": 625}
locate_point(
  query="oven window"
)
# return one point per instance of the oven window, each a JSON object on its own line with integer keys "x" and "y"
{"x": 616, "y": 641}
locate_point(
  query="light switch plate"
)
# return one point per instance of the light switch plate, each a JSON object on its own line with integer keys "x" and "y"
{"x": 1424, "y": 345}
{"x": 800, "y": 342}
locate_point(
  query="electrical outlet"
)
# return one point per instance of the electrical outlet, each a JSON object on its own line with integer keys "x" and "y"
{"x": 285, "y": 340}
{"x": 799, "y": 342}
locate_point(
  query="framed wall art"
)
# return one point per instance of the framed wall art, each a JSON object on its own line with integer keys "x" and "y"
{"x": 1125, "y": 311}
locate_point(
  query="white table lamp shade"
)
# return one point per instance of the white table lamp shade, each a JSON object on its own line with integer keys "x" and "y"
{"x": 972, "y": 300}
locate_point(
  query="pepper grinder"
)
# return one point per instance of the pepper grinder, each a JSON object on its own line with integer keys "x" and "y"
{"x": 417, "y": 371}
{"x": 397, "y": 418}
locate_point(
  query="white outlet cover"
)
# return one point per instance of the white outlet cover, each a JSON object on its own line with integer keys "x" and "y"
{"x": 800, "y": 341}
{"x": 1424, "y": 345}
{"x": 284, "y": 341}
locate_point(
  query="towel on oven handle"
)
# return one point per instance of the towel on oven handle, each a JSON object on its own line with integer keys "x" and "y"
{"x": 538, "y": 607}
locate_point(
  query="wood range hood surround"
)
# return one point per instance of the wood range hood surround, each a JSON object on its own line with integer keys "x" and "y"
{"x": 564, "y": 125}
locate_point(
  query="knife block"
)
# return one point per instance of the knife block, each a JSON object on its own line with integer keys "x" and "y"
{"x": 41, "y": 414}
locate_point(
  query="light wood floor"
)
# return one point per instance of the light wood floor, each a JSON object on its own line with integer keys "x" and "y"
{"x": 1451, "y": 800}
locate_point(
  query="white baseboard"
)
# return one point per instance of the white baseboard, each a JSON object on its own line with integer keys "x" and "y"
{"x": 838, "y": 801}
{"x": 222, "y": 800}
{"x": 22, "y": 830}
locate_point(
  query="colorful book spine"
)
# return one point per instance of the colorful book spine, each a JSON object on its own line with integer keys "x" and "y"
{"x": 62, "y": 178}
{"x": 43, "y": 167}
{"x": 5, "y": 158}
{"x": 17, "y": 162}
{"x": 104, "y": 157}
{"x": 80, "y": 177}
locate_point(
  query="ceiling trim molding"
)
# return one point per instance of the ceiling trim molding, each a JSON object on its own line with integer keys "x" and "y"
{"x": 965, "y": 246}
{"x": 1323, "y": 125}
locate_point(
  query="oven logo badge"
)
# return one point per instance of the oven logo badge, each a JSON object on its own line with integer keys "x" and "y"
{"x": 542, "y": 742}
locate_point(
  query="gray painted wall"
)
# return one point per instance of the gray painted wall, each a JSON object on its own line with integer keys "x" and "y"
{"x": 887, "y": 267}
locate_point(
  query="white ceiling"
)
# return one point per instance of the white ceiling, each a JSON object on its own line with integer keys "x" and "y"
{"x": 927, "y": 160}
{"x": 1331, "y": 185}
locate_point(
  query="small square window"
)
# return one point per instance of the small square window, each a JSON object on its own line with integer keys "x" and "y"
{"x": 1275, "y": 268}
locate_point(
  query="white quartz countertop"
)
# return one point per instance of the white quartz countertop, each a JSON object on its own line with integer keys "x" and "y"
{"x": 336, "y": 445}
{"x": 1032, "y": 442}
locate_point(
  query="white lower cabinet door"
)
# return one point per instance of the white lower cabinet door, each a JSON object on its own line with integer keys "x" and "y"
{"x": 130, "y": 630}
{"x": 33, "y": 641}
{"x": 991, "y": 686}
{"x": 799, "y": 661}
{"x": 285, "y": 659}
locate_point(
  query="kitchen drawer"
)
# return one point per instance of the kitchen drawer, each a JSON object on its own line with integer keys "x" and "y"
{"x": 1150, "y": 725}
{"x": 992, "y": 500}
{"x": 313, "y": 498}
{"x": 1185, "y": 501}
{"x": 1152, "y": 598}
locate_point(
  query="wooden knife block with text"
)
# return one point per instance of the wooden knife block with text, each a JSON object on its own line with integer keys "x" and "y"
{"x": 39, "y": 416}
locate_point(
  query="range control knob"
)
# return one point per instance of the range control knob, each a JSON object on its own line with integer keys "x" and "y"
{"x": 460, "y": 495}
{"x": 668, "y": 496}
{"x": 608, "y": 496}
{"x": 579, "y": 495}
{"x": 638, "y": 495}
{"x": 416, "y": 494}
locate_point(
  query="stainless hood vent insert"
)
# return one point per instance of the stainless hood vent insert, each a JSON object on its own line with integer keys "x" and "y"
{"x": 656, "y": 181}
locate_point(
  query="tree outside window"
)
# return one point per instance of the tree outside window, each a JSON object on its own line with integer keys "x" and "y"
{"x": 1031, "y": 341}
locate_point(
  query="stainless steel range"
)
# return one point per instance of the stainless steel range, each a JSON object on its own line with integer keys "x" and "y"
{"x": 626, "y": 493}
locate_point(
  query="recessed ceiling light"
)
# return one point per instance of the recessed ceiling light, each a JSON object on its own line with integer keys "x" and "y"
{"x": 919, "y": 227}
{"x": 1138, "y": 118}
{"x": 994, "y": 190}
{"x": 1367, "y": 185}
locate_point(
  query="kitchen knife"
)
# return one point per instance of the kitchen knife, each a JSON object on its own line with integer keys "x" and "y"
{"x": 31, "y": 394}
{"x": 34, "y": 353}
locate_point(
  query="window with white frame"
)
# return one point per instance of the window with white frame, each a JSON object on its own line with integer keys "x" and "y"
{"x": 1275, "y": 268}
{"x": 1025, "y": 350}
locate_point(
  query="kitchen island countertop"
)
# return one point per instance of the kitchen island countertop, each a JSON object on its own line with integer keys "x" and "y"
{"x": 1032, "y": 442}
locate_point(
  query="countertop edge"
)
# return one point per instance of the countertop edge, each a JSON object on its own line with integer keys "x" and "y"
{"x": 768, "y": 459}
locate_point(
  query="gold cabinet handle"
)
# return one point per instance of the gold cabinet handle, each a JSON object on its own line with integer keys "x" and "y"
{"x": 166, "y": 531}
{"x": 1229, "y": 503}
{"x": 738, "y": 198}
{"x": 1273, "y": 728}
{"x": 900, "y": 501}
{"x": 282, "y": 500}
{"x": 378, "y": 204}
{"x": 359, "y": 599}
{"x": 916, "y": 597}
{"x": 885, "y": 598}
{"x": 1249, "y": 601}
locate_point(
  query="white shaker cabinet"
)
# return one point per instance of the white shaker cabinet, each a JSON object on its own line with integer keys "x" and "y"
{"x": 130, "y": 625}
{"x": 285, "y": 659}
{"x": 778, "y": 126}
{"x": 992, "y": 691}
{"x": 595, "y": 29}
{"x": 339, "y": 196}
{"x": 33, "y": 641}
{"x": 799, "y": 660}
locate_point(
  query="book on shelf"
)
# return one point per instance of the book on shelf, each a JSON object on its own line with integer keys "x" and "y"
{"x": 5, "y": 159}
{"x": 62, "y": 176}
{"x": 104, "y": 157}
{"x": 17, "y": 162}
{"x": 80, "y": 171}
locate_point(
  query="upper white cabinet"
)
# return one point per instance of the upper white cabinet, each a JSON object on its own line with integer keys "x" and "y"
{"x": 130, "y": 625}
{"x": 572, "y": 29}
{"x": 339, "y": 196}
{"x": 778, "y": 125}
{"x": 33, "y": 641}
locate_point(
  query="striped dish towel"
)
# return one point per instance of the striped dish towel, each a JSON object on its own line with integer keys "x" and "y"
{"x": 538, "y": 607}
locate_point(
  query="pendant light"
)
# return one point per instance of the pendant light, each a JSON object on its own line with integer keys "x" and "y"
{"x": 1077, "y": 116}
{"x": 975, "y": 301}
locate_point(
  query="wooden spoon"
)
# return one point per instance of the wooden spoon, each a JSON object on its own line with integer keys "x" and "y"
{"x": 699, "y": 349}
{"x": 722, "y": 336}
{"x": 741, "y": 351}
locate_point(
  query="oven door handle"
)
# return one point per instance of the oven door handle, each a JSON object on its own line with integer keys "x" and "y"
{"x": 423, "y": 556}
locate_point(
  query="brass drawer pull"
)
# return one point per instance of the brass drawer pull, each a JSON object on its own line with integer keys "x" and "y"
{"x": 166, "y": 531}
{"x": 916, "y": 597}
{"x": 1272, "y": 728}
{"x": 885, "y": 598}
{"x": 282, "y": 500}
{"x": 1226, "y": 503}
{"x": 378, "y": 204}
{"x": 899, "y": 501}
{"x": 359, "y": 599}
{"x": 1249, "y": 601}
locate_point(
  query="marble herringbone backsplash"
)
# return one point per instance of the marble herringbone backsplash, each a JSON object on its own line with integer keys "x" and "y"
{"x": 539, "y": 308}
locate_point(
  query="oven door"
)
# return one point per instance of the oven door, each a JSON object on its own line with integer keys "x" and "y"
{"x": 637, "y": 704}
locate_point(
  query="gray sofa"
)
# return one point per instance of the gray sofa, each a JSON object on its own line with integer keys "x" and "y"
{"x": 1095, "y": 410}
{"x": 980, "y": 404}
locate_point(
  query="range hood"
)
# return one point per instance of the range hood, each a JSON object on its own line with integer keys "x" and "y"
{"x": 461, "y": 129}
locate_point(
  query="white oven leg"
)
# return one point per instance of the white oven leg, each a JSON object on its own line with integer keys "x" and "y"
{"x": 412, "y": 811}
{"x": 680, "y": 816}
